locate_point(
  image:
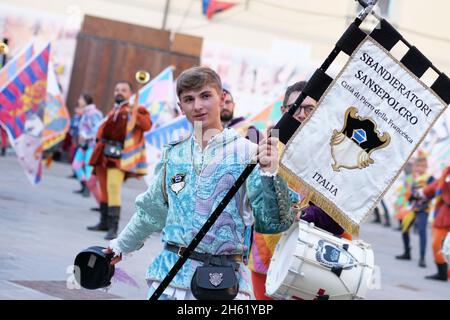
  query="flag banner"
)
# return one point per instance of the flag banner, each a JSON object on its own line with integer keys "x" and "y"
{"x": 268, "y": 117}
{"x": 171, "y": 131}
{"x": 22, "y": 104}
{"x": 211, "y": 7}
{"x": 364, "y": 129}
{"x": 56, "y": 116}
{"x": 158, "y": 97}
{"x": 174, "y": 130}
{"x": 16, "y": 64}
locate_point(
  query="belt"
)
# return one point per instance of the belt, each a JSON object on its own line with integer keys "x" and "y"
{"x": 114, "y": 143}
{"x": 217, "y": 260}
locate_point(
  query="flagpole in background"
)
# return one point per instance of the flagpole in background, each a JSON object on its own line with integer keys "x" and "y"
{"x": 3, "y": 134}
{"x": 4, "y": 51}
{"x": 166, "y": 12}
{"x": 286, "y": 121}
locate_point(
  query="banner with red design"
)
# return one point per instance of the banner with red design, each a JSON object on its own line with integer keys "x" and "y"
{"x": 22, "y": 108}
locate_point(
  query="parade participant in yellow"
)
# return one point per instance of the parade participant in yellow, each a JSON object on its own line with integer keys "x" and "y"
{"x": 119, "y": 154}
{"x": 419, "y": 209}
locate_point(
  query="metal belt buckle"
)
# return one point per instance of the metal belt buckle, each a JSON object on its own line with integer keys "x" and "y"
{"x": 179, "y": 253}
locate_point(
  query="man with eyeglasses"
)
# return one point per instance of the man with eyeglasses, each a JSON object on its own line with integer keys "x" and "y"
{"x": 291, "y": 95}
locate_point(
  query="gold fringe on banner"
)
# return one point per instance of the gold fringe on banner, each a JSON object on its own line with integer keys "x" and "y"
{"x": 319, "y": 200}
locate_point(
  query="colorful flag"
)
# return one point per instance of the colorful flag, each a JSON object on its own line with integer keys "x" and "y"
{"x": 172, "y": 131}
{"x": 158, "y": 96}
{"x": 211, "y": 7}
{"x": 176, "y": 129}
{"x": 268, "y": 117}
{"x": 22, "y": 105}
{"x": 56, "y": 115}
{"x": 16, "y": 64}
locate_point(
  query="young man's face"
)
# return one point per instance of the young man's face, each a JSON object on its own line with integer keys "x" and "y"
{"x": 122, "y": 92}
{"x": 203, "y": 105}
{"x": 227, "y": 109}
{"x": 304, "y": 110}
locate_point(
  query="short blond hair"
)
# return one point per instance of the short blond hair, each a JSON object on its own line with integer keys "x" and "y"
{"x": 197, "y": 77}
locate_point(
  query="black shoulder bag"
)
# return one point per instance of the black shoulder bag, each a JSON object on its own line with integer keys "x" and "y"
{"x": 212, "y": 282}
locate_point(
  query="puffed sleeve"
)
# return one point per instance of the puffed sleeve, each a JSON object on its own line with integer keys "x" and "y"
{"x": 270, "y": 202}
{"x": 143, "y": 119}
{"x": 430, "y": 190}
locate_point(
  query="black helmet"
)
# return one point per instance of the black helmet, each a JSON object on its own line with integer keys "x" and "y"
{"x": 92, "y": 268}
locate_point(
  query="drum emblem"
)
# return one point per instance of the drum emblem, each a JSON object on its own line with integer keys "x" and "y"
{"x": 215, "y": 278}
{"x": 330, "y": 255}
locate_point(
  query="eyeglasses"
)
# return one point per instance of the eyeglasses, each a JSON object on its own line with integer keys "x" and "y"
{"x": 307, "y": 109}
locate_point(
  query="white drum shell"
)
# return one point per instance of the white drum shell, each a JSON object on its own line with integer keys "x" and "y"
{"x": 295, "y": 272}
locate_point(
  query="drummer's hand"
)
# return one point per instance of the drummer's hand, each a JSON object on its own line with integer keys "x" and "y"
{"x": 268, "y": 155}
{"x": 298, "y": 213}
{"x": 115, "y": 259}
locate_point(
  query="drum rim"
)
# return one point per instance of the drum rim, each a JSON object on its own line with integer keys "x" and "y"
{"x": 269, "y": 279}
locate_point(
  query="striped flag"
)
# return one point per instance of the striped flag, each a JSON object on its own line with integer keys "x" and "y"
{"x": 158, "y": 95}
{"x": 22, "y": 103}
{"x": 16, "y": 64}
{"x": 174, "y": 130}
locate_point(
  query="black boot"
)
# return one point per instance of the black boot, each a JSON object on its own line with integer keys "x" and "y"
{"x": 376, "y": 214}
{"x": 86, "y": 193}
{"x": 442, "y": 272}
{"x": 422, "y": 263}
{"x": 405, "y": 256}
{"x": 103, "y": 224}
{"x": 83, "y": 187}
{"x": 113, "y": 222}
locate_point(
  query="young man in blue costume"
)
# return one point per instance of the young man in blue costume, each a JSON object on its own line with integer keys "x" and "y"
{"x": 191, "y": 180}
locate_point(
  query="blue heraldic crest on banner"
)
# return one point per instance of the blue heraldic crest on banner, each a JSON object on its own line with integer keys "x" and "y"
{"x": 352, "y": 146}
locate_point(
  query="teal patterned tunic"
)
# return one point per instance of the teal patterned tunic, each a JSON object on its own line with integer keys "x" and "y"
{"x": 188, "y": 185}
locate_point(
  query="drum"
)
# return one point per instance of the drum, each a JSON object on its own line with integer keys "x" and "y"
{"x": 310, "y": 263}
{"x": 446, "y": 248}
